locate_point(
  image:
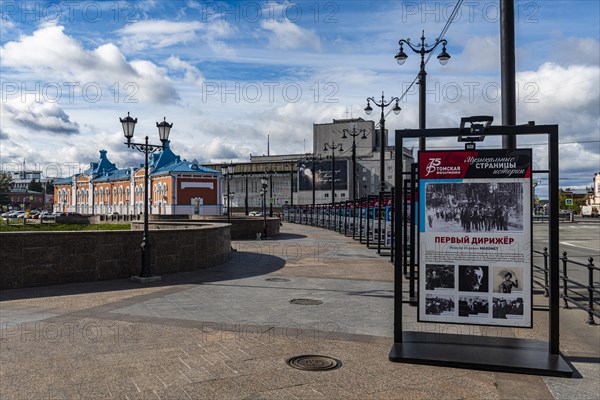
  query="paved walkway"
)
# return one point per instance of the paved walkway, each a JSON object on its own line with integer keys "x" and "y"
{"x": 226, "y": 333}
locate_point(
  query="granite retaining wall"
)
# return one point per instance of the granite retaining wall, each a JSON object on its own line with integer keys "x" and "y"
{"x": 48, "y": 258}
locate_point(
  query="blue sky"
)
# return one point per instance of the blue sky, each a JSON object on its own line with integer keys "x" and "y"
{"x": 227, "y": 74}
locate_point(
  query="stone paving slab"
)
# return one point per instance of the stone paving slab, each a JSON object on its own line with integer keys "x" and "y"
{"x": 226, "y": 333}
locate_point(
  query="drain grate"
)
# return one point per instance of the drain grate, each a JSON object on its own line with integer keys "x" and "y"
{"x": 306, "y": 302}
{"x": 314, "y": 363}
{"x": 277, "y": 280}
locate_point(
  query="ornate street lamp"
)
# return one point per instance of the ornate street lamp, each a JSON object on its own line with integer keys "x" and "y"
{"x": 264, "y": 183}
{"x": 422, "y": 49}
{"x": 293, "y": 167}
{"x": 354, "y": 133}
{"x": 270, "y": 171}
{"x": 164, "y": 128}
{"x": 332, "y": 147}
{"x": 396, "y": 111}
{"x": 227, "y": 170}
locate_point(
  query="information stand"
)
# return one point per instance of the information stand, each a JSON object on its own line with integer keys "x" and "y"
{"x": 475, "y": 351}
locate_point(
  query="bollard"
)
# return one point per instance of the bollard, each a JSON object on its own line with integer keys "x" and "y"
{"x": 565, "y": 277}
{"x": 590, "y": 268}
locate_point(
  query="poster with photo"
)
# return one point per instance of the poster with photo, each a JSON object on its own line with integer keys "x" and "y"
{"x": 475, "y": 236}
{"x": 388, "y": 226}
{"x": 440, "y": 305}
{"x": 439, "y": 276}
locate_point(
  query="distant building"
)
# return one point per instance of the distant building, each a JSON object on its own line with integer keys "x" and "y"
{"x": 178, "y": 187}
{"x": 23, "y": 199}
{"x": 22, "y": 179}
{"x": 290, "y": 175}
{"x": 594, "y": 199}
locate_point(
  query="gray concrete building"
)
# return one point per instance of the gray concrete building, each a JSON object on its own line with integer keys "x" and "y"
{"x": 291, "y": 176}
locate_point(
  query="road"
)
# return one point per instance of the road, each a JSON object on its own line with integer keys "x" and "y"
{"x": 580, "y": 239}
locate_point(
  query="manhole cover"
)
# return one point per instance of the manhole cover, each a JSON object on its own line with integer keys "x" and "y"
{"x": 277, "y": 280}
{"x": 306, "y": 302}
{"x": 314, "y": 363}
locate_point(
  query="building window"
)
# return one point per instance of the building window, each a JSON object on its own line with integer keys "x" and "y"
{"x": 343, "y": 195}
{"x": 326, "y": 195}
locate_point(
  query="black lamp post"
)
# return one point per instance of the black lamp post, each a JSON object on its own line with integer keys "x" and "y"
{"x": 264, "y": 182}
{"x": 227, "y": 170}
{"x": 354, "y": 134}
{"x": 292, "y": 168}
{"x": 369, "y": 110}
{"x": 270, "y": 171}
{"x": 164, "y": 129}
{"x": 332, "y": 147}
{"x": 422, "y": 49}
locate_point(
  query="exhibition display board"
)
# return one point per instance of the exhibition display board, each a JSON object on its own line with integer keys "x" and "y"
{"x": 473, "y": 209}
{"x": 475, "y": 259}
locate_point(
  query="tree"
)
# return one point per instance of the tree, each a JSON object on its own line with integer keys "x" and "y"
{"x": 49, "y": 187}
{"x": 35, "y": 186}
{"x": 6, "y": 183}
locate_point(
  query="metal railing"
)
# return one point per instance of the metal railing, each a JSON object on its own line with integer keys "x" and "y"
{"x": 584, "y": 296}
{"x": 541, "y": 273}
{"x": 577, "y": 298}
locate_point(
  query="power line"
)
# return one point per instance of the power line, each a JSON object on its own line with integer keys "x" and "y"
{"x": 440, "y": 37}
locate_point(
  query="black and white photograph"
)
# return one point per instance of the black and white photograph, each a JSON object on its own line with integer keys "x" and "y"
{"x": 473, "y": 278}
{"x": 439, "y": 276}
{"x": 507, "y": 308}
{"x": 439, "y": 305}
{"x": 507, "y": 279}
{"x": 474, "y": 207}
{"x": 473, "y": 306}
{"x": 322, "y": 175}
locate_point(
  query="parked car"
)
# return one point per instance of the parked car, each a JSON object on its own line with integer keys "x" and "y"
{"x": 72, "y": 215}
{"x": 45, "y": 215}
{"x": 255, "y": 214}
{"x": 20, "y": 215}
{"x": 58, "y": 214}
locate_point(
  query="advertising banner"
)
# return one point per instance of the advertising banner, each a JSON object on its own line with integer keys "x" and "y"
{"x": 388, "y": 223}
{"x": 475, "y": 259}
{"x": 322, "y": 175}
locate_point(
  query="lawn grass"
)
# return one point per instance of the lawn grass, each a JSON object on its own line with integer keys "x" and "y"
{"x": 62, "y": 227}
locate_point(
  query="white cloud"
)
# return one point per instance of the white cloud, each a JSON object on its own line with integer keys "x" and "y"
{"x": 561, "y": 88}
{"x": 153, "y": 34}
{"x": 580, "y": 51}
{"x": 567, "y": 96}
{"x": 191, "y": 74}
{"x": 157, "y": 34}
{"x": 287, "y": 35}
{"x": 39, "y": 116}
{"x": 479, "y": 53}
{"x": 49, "y": 51}
{"x": 219, "y": 30}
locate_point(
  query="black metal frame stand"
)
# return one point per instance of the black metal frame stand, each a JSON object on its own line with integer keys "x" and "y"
{"x": 482, "y": 352}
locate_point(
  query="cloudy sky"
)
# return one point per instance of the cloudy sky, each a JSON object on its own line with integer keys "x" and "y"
{"x": 227, "y": 74}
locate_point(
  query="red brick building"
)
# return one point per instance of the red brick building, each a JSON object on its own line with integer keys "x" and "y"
{"x": 177, "y": 187}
